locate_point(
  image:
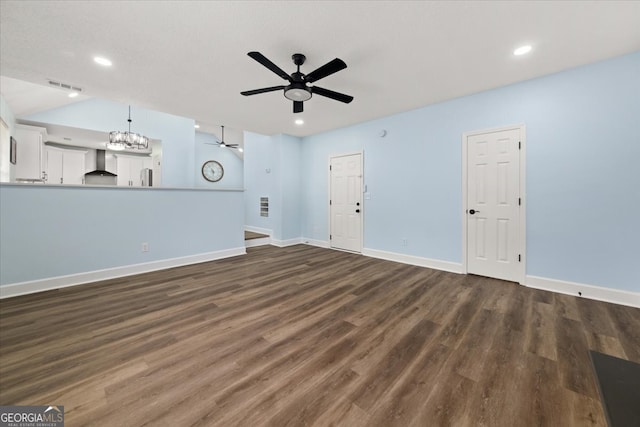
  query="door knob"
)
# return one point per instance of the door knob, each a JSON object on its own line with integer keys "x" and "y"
{"x": 357, "y": 210}
{"x": 357, "y": 203}
{"x": 472, "y": 211}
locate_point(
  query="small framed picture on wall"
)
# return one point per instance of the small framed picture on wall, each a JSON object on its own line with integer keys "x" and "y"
{"x": 13, "y": 152}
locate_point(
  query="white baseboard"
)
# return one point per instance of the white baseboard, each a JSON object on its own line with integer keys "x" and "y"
{"x": 33, "y": 286}
{"x": 288, "y": 242}
{"x": 314, "y": 242}
{"x": 452, "y": 267}
{"x": 615, "y": 296}
{"x": 258, "y": 230}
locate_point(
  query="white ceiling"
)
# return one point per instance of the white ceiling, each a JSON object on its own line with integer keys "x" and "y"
{"x": 189, "y": 58}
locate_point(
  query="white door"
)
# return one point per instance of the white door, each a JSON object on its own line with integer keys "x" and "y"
{"x": 493, "y": 204}
{"x": 345, "y": 204}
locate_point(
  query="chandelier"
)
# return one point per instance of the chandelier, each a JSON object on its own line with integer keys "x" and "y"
{"x": 119, "y": 140}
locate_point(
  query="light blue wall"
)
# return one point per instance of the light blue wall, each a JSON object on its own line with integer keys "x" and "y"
{"x": 205, "y": 149}
{"x": 582, "y": 175}
{"x": 54, "y": 231}
{"x": 176, "y": 133}
{"x": 288, "y": 174}
{"x": 280, "y": 155}
{"x": 258, "y": 178}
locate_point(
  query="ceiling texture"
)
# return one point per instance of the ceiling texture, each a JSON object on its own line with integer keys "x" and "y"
{"x": 189, "y": 58}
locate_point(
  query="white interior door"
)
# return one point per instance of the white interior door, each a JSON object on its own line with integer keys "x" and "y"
{"x": 346, "y": 202}
{"x": 493, "y": 204}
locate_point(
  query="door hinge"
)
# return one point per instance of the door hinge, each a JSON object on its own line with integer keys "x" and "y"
{"x": 519, "y": 201}
{"x": 329, "y": 167}
{"x": 519, "y": 145}
{"x": 519, "y": 258}
{"x": 329, "y": 202}
{"x": 330, "y": 237}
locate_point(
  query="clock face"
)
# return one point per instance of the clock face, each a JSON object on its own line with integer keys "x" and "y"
{"x": 212, "y": 171}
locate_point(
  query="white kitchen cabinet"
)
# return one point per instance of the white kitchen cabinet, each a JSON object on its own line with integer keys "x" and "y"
{"x": 73, "y": 168}
{"x": 29, "y": 144}
{"x": 130, "y": 168}
{"x": 64, "y": 166}
{"x": 53, "y": 166}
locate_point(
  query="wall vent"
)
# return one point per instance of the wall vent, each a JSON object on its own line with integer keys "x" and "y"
{"x": 264, "y": 206}
{"x": 65, "y": 86}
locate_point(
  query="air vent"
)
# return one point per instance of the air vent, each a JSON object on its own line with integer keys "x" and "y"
{"x": 65, "y": 86}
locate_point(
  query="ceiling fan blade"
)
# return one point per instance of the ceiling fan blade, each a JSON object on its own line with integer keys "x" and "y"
{"x": 263, "y": 90}
{"x": 270, "y": 65}
{"x": 298, "y": 106}
{"x": 331, "y": 94}
{"x": 326, "y": 70}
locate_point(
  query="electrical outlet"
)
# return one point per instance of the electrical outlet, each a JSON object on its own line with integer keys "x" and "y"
{"x": 145, "y": 247}
{"x": 405, "y": 242}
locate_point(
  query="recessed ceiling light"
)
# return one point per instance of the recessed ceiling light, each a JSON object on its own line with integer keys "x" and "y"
{"x": 196, "y": 126}
{"x": 522, "y": 50}
{"x": 299, "y": 122}
{"x": 102, "y": 61}
{"x": 240, "y": 150}
{"x": 73, "y": 94}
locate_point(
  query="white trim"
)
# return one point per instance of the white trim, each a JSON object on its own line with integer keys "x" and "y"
{"x": 40, "y": 285}
{"x": 317, "y": 243}
{"x": 252, "y": 243}
{"x": 362, "y": 207}
{"x": 288, "y": 242}
{"x": 258, "y": 230}
{"x": 522, "y": 229}
{"x": 452, "y": 267}
{"x": 615, "y": 296}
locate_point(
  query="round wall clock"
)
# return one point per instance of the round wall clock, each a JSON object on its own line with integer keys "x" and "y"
{"x": 212, "y": 171}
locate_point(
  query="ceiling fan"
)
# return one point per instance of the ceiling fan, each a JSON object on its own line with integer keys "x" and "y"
{"x": 298, "y": 89}
{"x": 221, "y": 143}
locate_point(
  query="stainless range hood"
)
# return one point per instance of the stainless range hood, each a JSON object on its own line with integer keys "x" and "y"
{"x": 100, "y": 176}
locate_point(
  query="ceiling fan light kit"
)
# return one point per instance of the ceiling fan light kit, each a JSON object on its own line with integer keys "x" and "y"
{"x": 297, "y": 93}
{"x": 298, "y": 89}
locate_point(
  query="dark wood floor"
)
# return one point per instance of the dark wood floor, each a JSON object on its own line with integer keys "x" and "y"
{"x": 250, "y": 235}
{"x": 306, "y": 336}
